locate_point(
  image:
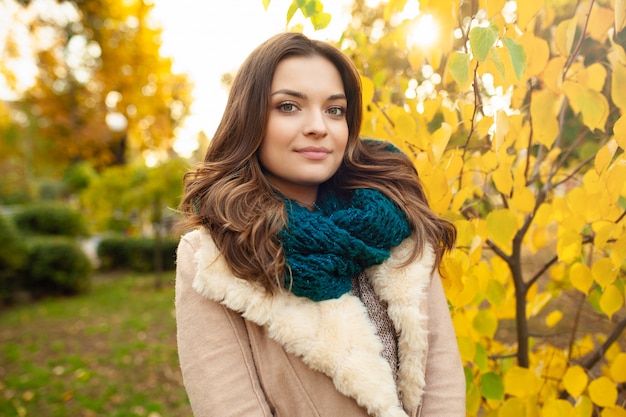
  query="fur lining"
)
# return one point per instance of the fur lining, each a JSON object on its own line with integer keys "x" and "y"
{"x": 335, "y": 336}
{"x": 405, "y": 291}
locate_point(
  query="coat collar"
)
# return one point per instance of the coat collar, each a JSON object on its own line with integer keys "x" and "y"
{"x": 336, "y": 337}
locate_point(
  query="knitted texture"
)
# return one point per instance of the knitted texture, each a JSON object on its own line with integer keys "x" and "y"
{"x": 327, "y": 247}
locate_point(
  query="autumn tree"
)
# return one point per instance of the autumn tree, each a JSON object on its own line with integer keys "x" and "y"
{"x": 102, "y": 93}
{"x": 514, "y": 118}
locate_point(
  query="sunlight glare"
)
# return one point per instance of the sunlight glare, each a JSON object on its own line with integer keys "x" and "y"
{"x": 425, "y": 32}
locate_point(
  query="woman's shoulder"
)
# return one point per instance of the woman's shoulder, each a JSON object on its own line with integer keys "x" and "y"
{"x": 193, "y": 239}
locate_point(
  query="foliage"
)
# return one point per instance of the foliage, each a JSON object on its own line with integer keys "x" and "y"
{"x": 102, "y": 92}
{"x": 12, "y": 258}
{"x": 310, "y": 9}
{"x": 55, "y": 266}
{"x": 109, "y": 352}
{"x": 134, "y": 254}
{"x": 514, "y": 118}
{"x": 78, "y": 176}
{"x": 50, "y": 218}
{"x": 127, "y": 198}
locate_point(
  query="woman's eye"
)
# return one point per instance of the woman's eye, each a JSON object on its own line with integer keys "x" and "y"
{"x": 337, "y": 111}
{"x": 287, "y": 107}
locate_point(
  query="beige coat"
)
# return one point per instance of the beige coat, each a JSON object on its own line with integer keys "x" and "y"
{"x": 246, "y": 353}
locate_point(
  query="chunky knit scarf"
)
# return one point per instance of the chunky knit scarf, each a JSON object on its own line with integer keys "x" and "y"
{"x": 327, "y": 247}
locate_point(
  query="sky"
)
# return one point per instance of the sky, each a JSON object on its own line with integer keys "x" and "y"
{"x": 208, "y": 39}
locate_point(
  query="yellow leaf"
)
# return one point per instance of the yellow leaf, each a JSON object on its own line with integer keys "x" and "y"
{"x": 544, "y": 120}
{"x": 618, "y": 251}
{"x": 502, "y": 128}
{"x": 431, "y": 108}
{"x": 620, "y": 15}
{"x": 536, "y": 302}
{"x": 460, "y": 197}
{"x": 467, "y": 349}
{"x": 393, "y": 6}
{"x": 512, "y": 406}
{"x": 467, "y": 294}
{"x": 405, "y": 126}
{"x": 613, "y": 411}
{"x": 605, "y": 156}
{"x": 543, "y": 215}
{"x": 523, "y": 199}
{"x": 503, "y": 179}
{"x": 564, "y": 37}
{"x": 617, "y": 369}
{"x": 539, "y": 238}
{"x": 453, "y": 166}
{"x": 416, "y": 58}
{"x": 603, "y": 271}
{"x": 617, "y": 55}
{"x": 501, "y": 228}
{"x": 618, "y": 86}
{"x": 557, "y": 272}
{"x": 615, "y": 180}
{"x": 568, "y": 246}
{"x": 575, "y": 380}
{"x": 367, "y": 91}
{"x": 611, "y": 300}
{"x": 603, "y": 392}
{"x": 450, "y": 116}
{"x": 437, "y": 190}
{"x": 537, "y": 53}
{"x": 619, "y": 131}
{"x": 600, "y": 22}
{"x": 521, "y": 382}
{"x": 493, "y": 7}
{"x": 557, "y": 408}
{"x": 584, "y": 407}
{"x": 474, "y": 399}
{"x": 573, "y": 91}
{"x": 595, "y": 109}
{"x": 439, "y": 140}
{"x": 553, "y": 74}
{"x": 489, "y": 162}
{"x": 495, "y": 293}
{"x": 581, "y": 278}
{"x": 603, "y": 232}
{"x": 485, "y": 323}
{"x": 597, "y": 77}
{"x": 527, "y": 10}
{"x": 553, "y": 318}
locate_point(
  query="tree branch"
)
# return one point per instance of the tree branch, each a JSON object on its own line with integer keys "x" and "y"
{"x": 541, "y": 271}
{"x": 472, "y": 122}
{"x": 590, "y": 360}
{"x": 572, "y": 57}
{"x": 496, "y": 249}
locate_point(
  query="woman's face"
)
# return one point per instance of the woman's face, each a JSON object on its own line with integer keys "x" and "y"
{"x": 306, "y": 132}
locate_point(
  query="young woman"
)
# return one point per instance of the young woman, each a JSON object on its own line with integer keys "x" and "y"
{"x": 310, "y": 286}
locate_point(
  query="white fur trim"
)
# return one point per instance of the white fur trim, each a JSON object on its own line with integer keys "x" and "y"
{"x": 404, "y": 288}
{"x": 336, "y": 337}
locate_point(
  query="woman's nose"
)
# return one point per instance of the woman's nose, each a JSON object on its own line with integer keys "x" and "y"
{"x": 315, "y": 125}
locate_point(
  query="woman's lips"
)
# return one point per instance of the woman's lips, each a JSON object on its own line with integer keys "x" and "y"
{"x": 314, "y": 153}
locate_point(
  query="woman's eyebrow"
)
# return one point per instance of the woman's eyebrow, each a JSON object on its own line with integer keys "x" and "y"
{"x": 303, "y": 96}
{"x": 290, "y": 93}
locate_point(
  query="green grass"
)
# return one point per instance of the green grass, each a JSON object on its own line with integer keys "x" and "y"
{"x": 111, "y": 352}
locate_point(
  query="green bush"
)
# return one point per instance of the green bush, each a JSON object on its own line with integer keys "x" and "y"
{"x": 56, "y": 265}
{"x": 13, "y": 255}
{"x": 135, "y": 254}
{"x": 50, "y": 219}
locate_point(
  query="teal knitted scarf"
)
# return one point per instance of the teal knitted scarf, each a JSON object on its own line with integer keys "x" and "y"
{"x": 325, "y": 248}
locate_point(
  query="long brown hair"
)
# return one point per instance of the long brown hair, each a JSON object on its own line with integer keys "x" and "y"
{"x": 229, "y": 195}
